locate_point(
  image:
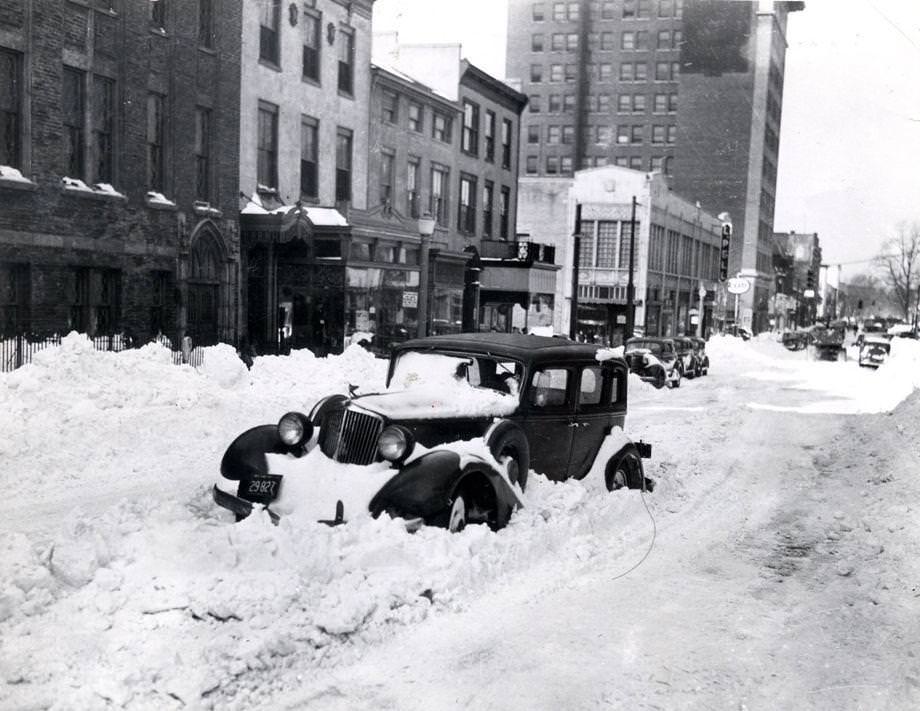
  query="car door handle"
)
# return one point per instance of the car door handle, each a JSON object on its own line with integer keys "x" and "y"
{"x": 575, "y": 424}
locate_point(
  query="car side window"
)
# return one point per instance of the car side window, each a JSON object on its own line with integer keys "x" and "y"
{"x": 548, "y": 387}
{"x": 589, "y": 392}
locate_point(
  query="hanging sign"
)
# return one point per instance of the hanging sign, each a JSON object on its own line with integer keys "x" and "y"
{"x": 738, "y": 285}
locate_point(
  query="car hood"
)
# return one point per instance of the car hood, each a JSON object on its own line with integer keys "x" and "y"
{"x": 445, "y": 401}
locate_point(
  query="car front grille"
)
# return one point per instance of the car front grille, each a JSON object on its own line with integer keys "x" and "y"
{"x": 350, "y": 436}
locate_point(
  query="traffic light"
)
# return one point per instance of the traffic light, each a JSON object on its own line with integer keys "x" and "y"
{"x": 723, "y": 256}
{"x": 810, "y": 279}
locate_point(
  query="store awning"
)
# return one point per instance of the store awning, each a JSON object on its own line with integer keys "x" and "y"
{"x": 537, "y": 279}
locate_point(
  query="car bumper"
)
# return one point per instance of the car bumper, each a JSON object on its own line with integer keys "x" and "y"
{"x": 238, "y": 506}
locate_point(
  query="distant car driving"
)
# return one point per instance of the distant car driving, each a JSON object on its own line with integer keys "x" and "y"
{"x": 451, "y": 439}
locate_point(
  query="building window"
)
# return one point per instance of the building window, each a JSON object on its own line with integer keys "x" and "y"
{"x": 536, "y": 73}
{"x": 74, "y": 115}
{"x": 10, "y": 108}
{"x": 469, "y": 138}
{"x": 628, "y": 40}
{"x": 466, "y": 215}
{"x": 553, "y": 134}
{"x": 157, "y": 10}
{"x": 662, "y": 71}
{"x": 533, "y": 133}
{"x": 672, "y": 134}
{"x": 412, "y": 187}
{"x": 343, "y": 159}
{"x": 627, "y": 71}
{"x": 534, "y": 103}
{"x": 558, "y": 42}
{"x": 555, "y": 103}
{"x": 568, "y": 135}
{"x": 156, "y": 121}
{"x": 608, "y": 10}
{"x": 664, "y": 39}
{"x": 624, "y": 103}
{"x": 390, "y": 106}
{"x": 206, "y": 23}
{"x": 309, "y": 158}
{"x": 490, "y": 136}
{"x": 160, "y": 309}
{"x": 635, "y": 162}
{"x": 573, "y": 11}
{"x": 539, "y": 12}
{"x": 346, "y": 42}
{"x": 416, "y": 122}
{"x": 658, "y": 134}
{"x": 203, "y": 154}
{"x": 603, "y": 103}
{"x": 605, "y": 71}
{"x": 607, "y": 41}
{"x": 552, "y": 165}
{"x": 103, "y": 122}
{"x": 556, "y": 72}
{"x": 665, "y": 8}
{"x": 533, "y": 165}
{"x": 559, "y": 11}
{"x": 15, "y": 297}
{"x": 623, "y": 134}
{"x": 439, "y": 189}
{"x": 267, "y": 147}
{"x": 488, "y": 207}
{"x": 565, "y": 165}
{"x": 506, "y": 143}
{"x": 441, "y": 127}
{"x": 504, "y": 207}
{"x": 269, "y": 25}
{"x": 311, "y": 46}
{"x": 536, "y": 43}
{"x": 660, "y": 104}
{"x": 387, "y": 162}
{"x": 95, "y": 303}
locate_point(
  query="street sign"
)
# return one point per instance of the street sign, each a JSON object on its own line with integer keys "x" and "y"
{"x": 738, "y": 285}
{"x": 723, "y": 255}
{"x": 410, "y": 299}
{"x": 809, "y": 293}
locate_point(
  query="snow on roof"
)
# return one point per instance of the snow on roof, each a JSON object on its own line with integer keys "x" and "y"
{"x": 320, "y": 216}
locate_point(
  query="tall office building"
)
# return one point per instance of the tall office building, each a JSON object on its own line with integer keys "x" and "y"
{"x": 692, "y": 89}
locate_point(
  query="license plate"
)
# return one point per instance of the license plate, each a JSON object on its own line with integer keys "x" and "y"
{"x": 261, "y": 488}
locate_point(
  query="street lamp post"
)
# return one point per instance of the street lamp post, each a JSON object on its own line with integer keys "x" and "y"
{"x": 630, "y": 287}
{"x": 425, "y": 230}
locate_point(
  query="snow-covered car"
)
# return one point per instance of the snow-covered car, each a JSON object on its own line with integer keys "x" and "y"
{"x": 654, "y": 360}
{"x": 451, "y": 439}
{"x": 873, "y": 351}
{"x": 702, "y": 358}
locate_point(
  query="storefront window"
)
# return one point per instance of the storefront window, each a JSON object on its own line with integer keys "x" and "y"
{"x": 382, "y": 302}
{"x": 446, "y": 310}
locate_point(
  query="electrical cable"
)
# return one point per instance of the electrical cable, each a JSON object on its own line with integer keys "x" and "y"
{"x": 651, "y": 544}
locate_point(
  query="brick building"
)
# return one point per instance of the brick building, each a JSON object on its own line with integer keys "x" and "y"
{"x": 118, "y": 167}
{"x": 690, "y": 89}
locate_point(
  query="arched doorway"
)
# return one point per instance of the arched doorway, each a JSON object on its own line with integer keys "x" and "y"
{"x": 204, "y": 281}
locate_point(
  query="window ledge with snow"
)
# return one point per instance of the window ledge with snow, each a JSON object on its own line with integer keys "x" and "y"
{"x": 158, "y": 201}
{"x": 99, "y": 191}
{"x": 204, "y": 209}
{"x": 13, "y": 179}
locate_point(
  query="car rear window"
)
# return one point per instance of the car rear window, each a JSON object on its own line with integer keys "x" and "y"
{"x": 589, "y": 393}
{"x": 549, "y": 387}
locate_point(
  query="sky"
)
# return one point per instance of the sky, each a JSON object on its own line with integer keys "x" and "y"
{"x": 850, "y": 139}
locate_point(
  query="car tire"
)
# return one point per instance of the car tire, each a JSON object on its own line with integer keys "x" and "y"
{"x": 624, "y": 470}
{"x": 660, "y": 378}
{"x": 677, "y": 376}
{"x": 457, "y": 518}
{"x": 507, "y": 440}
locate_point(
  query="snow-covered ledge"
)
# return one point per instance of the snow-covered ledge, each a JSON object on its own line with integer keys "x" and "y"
{"x": 204, "y": 209}
{"x": 11, "y": 178}
{"x": 158, "y": 201}
{"x": 99, "y": 191}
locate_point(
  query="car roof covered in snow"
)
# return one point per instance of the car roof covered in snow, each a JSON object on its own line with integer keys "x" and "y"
{"x": 526, "y": 348}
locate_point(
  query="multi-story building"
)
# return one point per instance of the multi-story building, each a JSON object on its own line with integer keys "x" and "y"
{"x": 796, "y": 262}
{"x": 303, "y": 165}
{"x": 690, "y": 89}
{"x": 119, "y": 128}
{"x": 443, "y": 142}
{"x": 672, "y": 245}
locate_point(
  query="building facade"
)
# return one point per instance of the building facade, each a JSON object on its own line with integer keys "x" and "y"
{"x": 674, "y": 245}
{"x": 689, "y": 89}
{"x": 797, "y": 267}
{"x": 119, "y": 169}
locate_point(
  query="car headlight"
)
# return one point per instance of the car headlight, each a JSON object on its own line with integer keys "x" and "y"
{"x": 295, "y": 428}
{"x": 395, "y": 443}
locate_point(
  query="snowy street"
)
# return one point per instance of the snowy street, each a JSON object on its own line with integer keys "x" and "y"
{"x": 775, "y": 565}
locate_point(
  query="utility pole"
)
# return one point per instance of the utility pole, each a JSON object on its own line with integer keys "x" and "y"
{"x": 630, "y": 287}
{"x": 576, "y": 258}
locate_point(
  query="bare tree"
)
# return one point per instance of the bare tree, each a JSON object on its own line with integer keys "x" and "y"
{"x": 900, "y": 263}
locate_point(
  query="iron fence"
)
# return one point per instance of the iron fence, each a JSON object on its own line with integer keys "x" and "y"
{"x": 18, "y": 350}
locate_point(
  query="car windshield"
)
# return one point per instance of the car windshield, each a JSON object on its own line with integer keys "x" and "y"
{"x": 415, "y": 368}
{"x": 653, "y": 346}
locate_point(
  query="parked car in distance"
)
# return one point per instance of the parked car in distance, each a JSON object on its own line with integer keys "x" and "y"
{"x": 795, "y": 340}
{"x": 451, "y": 439}
{"x": 655, "y": 360}
{"x": 702, "y": 358}
{"x": 874, "y": 351}
{"x": 686, "y": 355}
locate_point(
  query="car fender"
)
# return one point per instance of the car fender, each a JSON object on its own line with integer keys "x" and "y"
{"x": 424, "y": 488}
{"x": 246, "y": 454}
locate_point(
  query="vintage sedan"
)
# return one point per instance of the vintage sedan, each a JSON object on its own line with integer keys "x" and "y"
{"x": 686, "y": 355}
{"x": 451, "y": 439}
{"x": 874, "y": 351}
{"x": 654, "y": 360}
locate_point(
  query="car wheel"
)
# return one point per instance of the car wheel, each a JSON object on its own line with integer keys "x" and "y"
{"x": 676, "y": 377}
{"x": 508, "y": 444}
{"x": 456, "y": 521}
{"x": 624, "y": 470}
{"x": 661, "y": 378}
